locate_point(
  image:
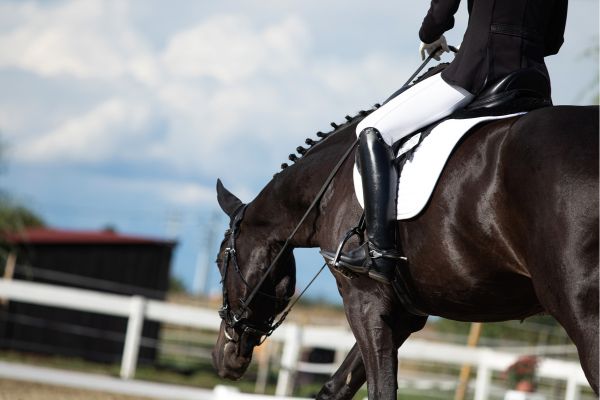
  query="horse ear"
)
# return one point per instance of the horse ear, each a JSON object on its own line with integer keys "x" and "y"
{"x": 227, "y": 200}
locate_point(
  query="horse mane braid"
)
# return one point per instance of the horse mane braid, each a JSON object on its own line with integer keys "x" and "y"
{"x": 324, "y": 135}
{"x": 349, "y": 119}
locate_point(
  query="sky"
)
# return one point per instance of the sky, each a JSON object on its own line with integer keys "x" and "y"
{"x": 124, "y": 113}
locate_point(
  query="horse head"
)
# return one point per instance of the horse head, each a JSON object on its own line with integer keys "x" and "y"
{"x": 253, "y": 295}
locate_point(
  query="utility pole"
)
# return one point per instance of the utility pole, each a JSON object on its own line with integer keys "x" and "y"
{"x": 206, "y": 258}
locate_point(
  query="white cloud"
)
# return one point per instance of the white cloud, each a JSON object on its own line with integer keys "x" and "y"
{"x": 95, "y": 42}
{"x": 225, "y": 79}
{"x": 187, "y": 194}
{"x": 95, "y": 39}
{"x": 228, "y": 48}
{"x": 83, "y": 39}
{"x": 220, "y": 80}
{"x": 172, "y": 192}
{"x": 374, "y": 74}
{"x": 93, "y": 137}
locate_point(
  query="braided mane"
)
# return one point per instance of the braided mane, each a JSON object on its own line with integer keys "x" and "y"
{"x": 324, "y": 135}
{"x": 349, "y": 119}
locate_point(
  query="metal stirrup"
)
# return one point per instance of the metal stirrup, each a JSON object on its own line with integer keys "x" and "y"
{"x": 358, "y": 230}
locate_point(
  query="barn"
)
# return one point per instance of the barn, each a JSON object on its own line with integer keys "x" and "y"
{"x": 96, "y": 260}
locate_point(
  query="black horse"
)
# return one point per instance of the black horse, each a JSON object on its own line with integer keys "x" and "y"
{"x": 510, "y": 231}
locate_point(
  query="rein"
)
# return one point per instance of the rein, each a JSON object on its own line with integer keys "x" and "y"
{"x": 233, "y": 319}
{"x": 265, "y": 329}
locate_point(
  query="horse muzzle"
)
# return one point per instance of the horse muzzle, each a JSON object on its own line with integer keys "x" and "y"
{"x": 228, "y": 361}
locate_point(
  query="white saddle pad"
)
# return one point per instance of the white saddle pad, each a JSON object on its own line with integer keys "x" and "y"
{"x": 420, "y": 174}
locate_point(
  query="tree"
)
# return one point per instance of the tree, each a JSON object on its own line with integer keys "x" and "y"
{"x": 176, "y": 285}
{"x": 14, "y": 216}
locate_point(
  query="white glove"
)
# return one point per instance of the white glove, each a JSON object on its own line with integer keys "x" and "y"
{"x": 430, "y": 47}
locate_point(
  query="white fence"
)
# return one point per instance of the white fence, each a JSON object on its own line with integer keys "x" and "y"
{"x": 109, "y": 384}
{"x": 294, "y": 337}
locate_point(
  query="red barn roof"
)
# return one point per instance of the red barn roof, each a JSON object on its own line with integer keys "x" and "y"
{"x": 62, "y": 236}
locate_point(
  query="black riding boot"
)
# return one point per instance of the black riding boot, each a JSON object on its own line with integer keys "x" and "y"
{"x": 379, "y": 180}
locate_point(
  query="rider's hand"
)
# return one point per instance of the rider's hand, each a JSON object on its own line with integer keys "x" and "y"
{"x": 430, "y": 47}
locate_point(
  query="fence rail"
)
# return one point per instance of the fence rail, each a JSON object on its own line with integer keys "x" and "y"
{"x": 294, "y": 337}
{"x": 102, "y": 383}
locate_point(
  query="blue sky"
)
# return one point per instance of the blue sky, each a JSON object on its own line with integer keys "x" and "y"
{"x": 125, "y": 112}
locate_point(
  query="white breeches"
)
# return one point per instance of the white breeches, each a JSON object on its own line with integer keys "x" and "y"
{"x": 421, "y": 105}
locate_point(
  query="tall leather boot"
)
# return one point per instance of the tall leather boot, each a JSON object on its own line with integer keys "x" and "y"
{"x": 378, "y": 256}
{"x": 380, "y": 180}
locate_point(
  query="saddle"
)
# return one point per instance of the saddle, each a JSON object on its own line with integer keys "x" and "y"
{"x": 520, "y": 91}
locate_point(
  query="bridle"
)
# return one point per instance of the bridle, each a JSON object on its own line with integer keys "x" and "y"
{"x": 241, "y": 320}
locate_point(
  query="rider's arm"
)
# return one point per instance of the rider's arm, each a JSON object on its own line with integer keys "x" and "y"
{"x": 555, "y": 28}
{"x": 438, "y": 20}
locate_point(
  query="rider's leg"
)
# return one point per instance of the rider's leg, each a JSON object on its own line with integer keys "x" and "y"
{"x": 415, "y": 108}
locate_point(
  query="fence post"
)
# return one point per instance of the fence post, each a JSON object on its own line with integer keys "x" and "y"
{"x": 135, "y": 323}
{"x": 9, "y": 271}
{"x": 263, "y": 356}
{"x": 289, "y": 359}
{"x": 465, "y": 371}
{"x": 571, "y": 393}
{"x": 484, "y": 376}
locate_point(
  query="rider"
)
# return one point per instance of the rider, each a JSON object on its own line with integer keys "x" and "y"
{"x": 502, "y": 36}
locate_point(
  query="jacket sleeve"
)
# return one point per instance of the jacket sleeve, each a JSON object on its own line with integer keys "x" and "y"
{"x": 438, "y": 20}
{"x": 555, "y": 29}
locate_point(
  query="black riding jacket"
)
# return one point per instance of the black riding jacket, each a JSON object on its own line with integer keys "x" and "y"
{"x": 502, "y": 36}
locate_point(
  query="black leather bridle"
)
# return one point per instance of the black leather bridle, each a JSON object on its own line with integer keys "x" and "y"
{"x": 240, "y": 321}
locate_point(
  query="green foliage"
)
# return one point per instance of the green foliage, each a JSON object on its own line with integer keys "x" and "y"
{"x": 176, "y": 285}
{"x": 15, "y": 217}
{"x": 541, "y": 329}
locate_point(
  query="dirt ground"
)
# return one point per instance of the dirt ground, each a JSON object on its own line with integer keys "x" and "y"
{"x": 18, "y": 390}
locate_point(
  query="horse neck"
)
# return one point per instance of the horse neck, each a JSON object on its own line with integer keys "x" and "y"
{"x": 282, "y": 203}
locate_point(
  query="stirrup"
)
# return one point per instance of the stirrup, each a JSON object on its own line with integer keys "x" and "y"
{"x": 335, "y": 259}
{"x": 355, "y": 260}
{"x": 358, "y": 258}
